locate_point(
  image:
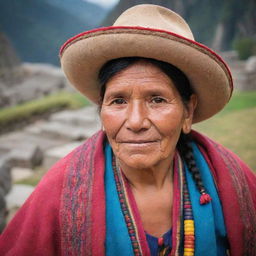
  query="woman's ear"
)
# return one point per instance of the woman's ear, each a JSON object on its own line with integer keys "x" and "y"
{"x": 189, "y": 113}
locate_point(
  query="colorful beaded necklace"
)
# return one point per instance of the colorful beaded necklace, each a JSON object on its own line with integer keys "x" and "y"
{"x": 127, "y": 212}
{"x": 189, "y": 229}
{"x": 189, "y": 225}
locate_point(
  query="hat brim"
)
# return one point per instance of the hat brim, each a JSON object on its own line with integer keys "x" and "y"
{"x": 83, "y": 56}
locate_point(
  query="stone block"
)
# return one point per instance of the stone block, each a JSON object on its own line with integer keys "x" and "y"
{"x": 250, "y": 66}
{"x": 19, "y": 173}
{"x": 33, "y": 87}
{"x": 55, "y": 154}
{"x": 3, "y": 212}
{"x": 30, "y": 136}
{"x": 63, "y": 131}
{"x": 18, "y": 195}
{"x": 5, "y": 174}
{"x": 28, "y": 156}
{"x": 81, "y": 117}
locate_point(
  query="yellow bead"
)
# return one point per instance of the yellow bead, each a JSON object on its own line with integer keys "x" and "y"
{"x": 188, "y": 254}
{"x": 189, "y": 226}
{"x": 189, "y": 229}
{"x": 188, "y": 221}
{"x": 189, "y": 249}
{"x": 189, "y": 233}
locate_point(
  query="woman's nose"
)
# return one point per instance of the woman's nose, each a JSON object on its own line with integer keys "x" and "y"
{"x": 137, "y": 117}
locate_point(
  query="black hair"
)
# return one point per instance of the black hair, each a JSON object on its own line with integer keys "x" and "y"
{"x": 115, "y": 66}
{"x": 184, "y": 88}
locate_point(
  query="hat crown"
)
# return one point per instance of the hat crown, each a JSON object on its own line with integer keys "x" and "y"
{"x": 154, "y": 17}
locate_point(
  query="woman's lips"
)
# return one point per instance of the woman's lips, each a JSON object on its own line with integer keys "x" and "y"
{"x": 138, "y": 141}
{"x": 139, "y": 144}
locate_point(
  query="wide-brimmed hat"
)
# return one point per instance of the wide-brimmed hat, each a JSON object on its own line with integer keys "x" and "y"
{"x": 149, "y": 31}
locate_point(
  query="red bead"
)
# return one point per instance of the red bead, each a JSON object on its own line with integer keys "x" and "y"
{"x": 205, "y": 198}
{"x": 160, "y": 241}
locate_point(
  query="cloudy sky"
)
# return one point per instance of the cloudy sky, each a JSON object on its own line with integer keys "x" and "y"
{"x": 104, "y": 3}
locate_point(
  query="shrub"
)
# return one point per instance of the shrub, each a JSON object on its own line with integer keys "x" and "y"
{"x": 245, "y": 47}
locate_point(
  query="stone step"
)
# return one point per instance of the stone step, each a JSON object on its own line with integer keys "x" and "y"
{"x": 19, "y": 173}
{"x": 33, "y": 87}
{"x": 26, "y": 150}
{"x": 18, "y": 195}
{"x": 16, "y": 198}
{"x": 28, "y": 157}
{"x": 21, "y": 139}
{"x": 81, "y": 117}
{"x": 55, "y": 154}
{"x": 62, "y": 131}
{"x": 5, "y": 175}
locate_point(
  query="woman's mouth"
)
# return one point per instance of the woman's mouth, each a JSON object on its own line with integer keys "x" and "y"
{"x": 139, "y": 141}
{"x": 139, "y": 144}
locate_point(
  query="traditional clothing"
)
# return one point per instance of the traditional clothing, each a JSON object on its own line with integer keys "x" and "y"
{"x": 84, "y": 206}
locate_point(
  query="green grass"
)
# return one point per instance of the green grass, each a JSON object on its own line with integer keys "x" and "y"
{"x": 33, "y": 180}
{"x": 235, "y": 127}
{"x": 240, "y": 101}
{"x": 28, "y": 111}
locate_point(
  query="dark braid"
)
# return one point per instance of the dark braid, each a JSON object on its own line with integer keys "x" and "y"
{"x": 186, "y": 152}
{"x": 182, "y": 84}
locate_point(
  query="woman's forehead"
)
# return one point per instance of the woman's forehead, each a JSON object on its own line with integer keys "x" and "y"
{"x": 142, "y": 73}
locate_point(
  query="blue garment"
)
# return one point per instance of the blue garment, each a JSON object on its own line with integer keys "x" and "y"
{"x": 153, "y": 242}
{"x": 117, "y": 238}
{"x": 210, "y": 232}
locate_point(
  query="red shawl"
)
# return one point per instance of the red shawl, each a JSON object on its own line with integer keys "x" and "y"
{"x": 65, "y": 215}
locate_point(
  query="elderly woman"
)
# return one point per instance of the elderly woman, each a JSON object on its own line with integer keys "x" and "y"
{"x": 146, "y": 184}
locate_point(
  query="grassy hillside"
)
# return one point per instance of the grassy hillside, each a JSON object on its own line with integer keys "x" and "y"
{"x": 235, "y": 127}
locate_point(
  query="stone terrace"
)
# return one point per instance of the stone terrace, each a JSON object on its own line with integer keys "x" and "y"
{"x": 42, "y": 144}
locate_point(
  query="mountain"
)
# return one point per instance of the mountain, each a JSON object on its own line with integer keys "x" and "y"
{"x": 37, "y": 28}
{"x": 10, "y": 72}
{"x": 216, "y": 23}
{"x": 88, "y": 13}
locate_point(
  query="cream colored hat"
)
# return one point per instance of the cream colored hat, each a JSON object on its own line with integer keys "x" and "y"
{"x": 149, "y": 31}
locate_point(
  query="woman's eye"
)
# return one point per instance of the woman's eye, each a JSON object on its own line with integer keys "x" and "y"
{"x": 118, "y": 101}
{"x": 158, "y": 100}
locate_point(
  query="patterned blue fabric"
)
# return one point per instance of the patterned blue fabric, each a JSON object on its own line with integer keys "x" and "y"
{"x": 210, "y": 229}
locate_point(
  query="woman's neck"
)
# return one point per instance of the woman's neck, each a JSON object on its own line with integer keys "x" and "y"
{"x": 155, "y": 177}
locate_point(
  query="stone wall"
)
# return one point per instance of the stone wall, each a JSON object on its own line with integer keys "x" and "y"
{"x": 10, "y": 72}
{"x": 38, "y": 80}
{"x": 21, "y": 82}
{"x": 243, "y": 72}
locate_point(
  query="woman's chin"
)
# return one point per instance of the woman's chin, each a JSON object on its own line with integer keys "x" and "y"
{"x": 140, "y": 161}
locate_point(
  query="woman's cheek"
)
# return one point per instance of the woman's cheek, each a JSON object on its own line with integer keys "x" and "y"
{"x": 167, "y": 146}
{"x": 111, "y": 123}
{"x": 108, "y": 118}
{"x": 170, "y": 137}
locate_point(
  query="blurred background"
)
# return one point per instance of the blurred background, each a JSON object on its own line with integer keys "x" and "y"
{"x": 42, "y": 118}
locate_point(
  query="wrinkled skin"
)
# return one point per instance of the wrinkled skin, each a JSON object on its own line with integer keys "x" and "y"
{"x": 143, "y": 116}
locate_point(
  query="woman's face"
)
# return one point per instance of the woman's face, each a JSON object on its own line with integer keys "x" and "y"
{"x": 143, "y": 115}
